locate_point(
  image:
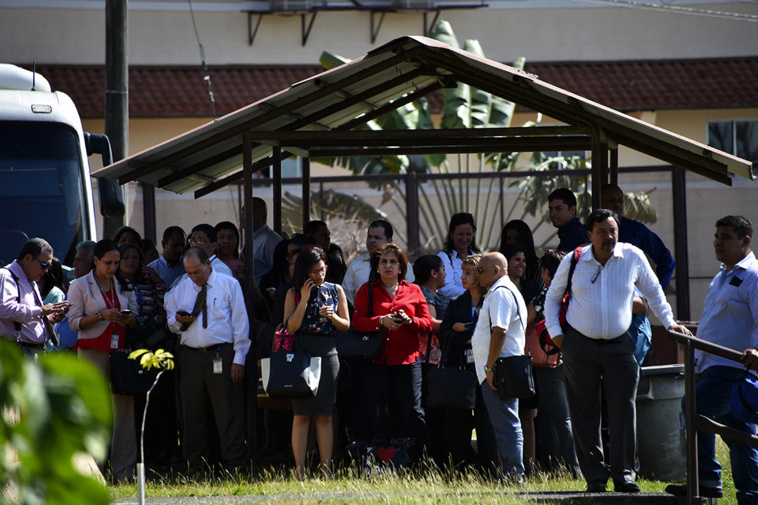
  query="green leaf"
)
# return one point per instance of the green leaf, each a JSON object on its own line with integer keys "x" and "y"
{"x": 330, "y": 60}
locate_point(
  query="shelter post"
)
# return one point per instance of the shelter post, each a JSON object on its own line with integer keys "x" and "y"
{"x": 681, "y": 252}
{"x": 276, "y": 167}
{"x": 411, "y": 212}
{"x": 306, "y": 190}
{"x": 247, "y": 177}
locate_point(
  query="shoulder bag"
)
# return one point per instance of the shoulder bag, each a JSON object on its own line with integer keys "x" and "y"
{"x": 513, "y": 374}
{"x": 541, "y": 327}
{"x": 451, "y": 386}
{"x": 354, "y": 344}
{"x": 290, "y": 375}
{"x": 743, "y": 403}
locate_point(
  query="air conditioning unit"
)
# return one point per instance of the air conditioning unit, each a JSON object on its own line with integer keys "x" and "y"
{"x": 290, "y": 5}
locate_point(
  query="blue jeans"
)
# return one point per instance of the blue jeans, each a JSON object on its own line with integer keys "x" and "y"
{"x": 507, "y": 427}
{"x": 712, "y": 395}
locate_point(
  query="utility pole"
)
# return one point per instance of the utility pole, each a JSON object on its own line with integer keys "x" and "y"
{"x": 116, "y": 91}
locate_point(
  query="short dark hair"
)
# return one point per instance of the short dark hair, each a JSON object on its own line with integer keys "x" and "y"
{"x": 311, "y": 227}
{"x": 741, "y": 225}
{"x": 512, "y": 250}
{"x": 455, "y": 221}
{"x": 102, "y": 248}
{"x": 228, "y": 225}
{"x": 169, "y": 232}
{"x": 34, "y": 246}
{"x": 209, "y": 231}
{"x": 390, "y": 248}
{"x": 127, "y": 229}
{"x": 301, "y": 240}
{"x": 305, "y": 261}
{"x": 385, "y": 225}
{"x": 198, "y": 253}
{"x": 598, "y": 216}
{"x": 565, "y": 195}
{"x": 423, "y": 267}
{"x": 551, "y": 259}
{"x": 525, "y": 238}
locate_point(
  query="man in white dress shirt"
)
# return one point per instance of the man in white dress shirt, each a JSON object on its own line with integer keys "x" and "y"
{"x": 597, "y": 350}
{"x": 358, "y": 272}
{"x": 204, "y": 236}
{"x": 500, "y": 333}
{"x": 208, "y": 311}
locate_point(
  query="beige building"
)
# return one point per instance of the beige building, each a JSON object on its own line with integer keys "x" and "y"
{"x": 689, "y": 67}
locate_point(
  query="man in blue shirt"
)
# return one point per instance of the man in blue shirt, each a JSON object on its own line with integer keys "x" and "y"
{"x": 730, "y": 319}
{"x": 562, "y": 209}
{"x": 635, "y": 233}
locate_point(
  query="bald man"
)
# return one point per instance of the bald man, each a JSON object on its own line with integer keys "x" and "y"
{"x": 499, "y": 333}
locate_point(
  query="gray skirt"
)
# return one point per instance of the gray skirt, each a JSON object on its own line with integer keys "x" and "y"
{"x": 323, "y": 403}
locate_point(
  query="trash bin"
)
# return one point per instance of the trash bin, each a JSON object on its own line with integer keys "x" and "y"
{"x": 660, "y": 440}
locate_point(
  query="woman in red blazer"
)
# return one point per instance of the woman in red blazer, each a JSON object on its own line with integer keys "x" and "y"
{"x": 394, "y": 381}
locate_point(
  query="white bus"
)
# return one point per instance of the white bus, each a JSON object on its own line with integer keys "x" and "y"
{"x": 45, "y": 188}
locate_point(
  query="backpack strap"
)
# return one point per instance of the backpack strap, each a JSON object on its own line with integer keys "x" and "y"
{"x": 574, "y": 261}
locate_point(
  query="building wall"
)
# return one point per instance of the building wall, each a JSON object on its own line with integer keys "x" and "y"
{"x": 161, "y": 33}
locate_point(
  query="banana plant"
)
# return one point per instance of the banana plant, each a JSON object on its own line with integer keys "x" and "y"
{"x": 465, "y": 107}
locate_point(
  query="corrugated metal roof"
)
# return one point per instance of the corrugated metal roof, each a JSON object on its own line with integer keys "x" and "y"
{"x": 622, "y": 85}
{"x": 210, "y": 156}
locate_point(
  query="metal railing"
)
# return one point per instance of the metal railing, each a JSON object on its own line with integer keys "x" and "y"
{"x": 695, "y": 422}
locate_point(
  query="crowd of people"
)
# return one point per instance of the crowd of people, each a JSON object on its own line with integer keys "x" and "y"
{"x": 460, "y": 307}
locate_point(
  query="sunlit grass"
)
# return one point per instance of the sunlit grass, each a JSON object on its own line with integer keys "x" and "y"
{"x": 428, "y": 485}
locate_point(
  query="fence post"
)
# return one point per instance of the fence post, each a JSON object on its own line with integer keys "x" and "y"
{"x": 690, "y": 414}
{"x": 411, "y": 212}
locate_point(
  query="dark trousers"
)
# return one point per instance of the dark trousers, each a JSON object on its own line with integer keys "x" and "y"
{"x": 395, "y": 393}
{"x": 203, "y": 391}
{"x": 590, "y": 365}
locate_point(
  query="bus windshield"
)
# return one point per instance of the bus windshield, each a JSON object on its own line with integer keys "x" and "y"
{"x": 41, "y": 188}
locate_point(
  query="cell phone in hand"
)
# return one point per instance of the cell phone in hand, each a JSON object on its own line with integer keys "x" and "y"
{"x": 182, "y": 312}
{"x": 126, "y": 312}
{"x": 68, "y": 306}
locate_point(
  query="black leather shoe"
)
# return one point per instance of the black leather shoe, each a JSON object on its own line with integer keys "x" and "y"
{"x": 705, "y": 492}
{"x": 595, "y": 487}
{"x": 626, "y": 487}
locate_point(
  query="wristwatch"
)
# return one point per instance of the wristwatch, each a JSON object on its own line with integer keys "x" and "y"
{"x": 487, "y": 369}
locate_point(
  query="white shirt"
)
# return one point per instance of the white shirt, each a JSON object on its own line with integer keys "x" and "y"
{"x": 264, "y": 242}
{"x": 357, "y": 275}
{"x": 504, "y": 308}
{"x": 603, "y": 310}
{"x": 227, "y": 314}
{"x": 453, "y": 268}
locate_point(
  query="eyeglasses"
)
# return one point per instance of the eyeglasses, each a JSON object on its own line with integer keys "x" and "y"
{"x": 45, "y": 266}
{"x": 597, "y": 274}
{"x": 197, "y": 241}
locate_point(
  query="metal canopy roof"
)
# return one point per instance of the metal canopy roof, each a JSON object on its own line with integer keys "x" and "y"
{"x": 322, "y": 111}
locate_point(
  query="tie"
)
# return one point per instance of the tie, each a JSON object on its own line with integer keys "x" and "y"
{"x": 199, "y": 306}
{"x": 48, "y": 326}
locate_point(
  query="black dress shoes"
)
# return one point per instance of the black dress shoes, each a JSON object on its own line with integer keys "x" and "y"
{"x": 705, "y": 492}
{"x": 626, "y": 487}
{"x": 596, "y": 487}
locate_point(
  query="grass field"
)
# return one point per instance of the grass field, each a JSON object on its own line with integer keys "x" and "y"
{"x": 426, "y": 486}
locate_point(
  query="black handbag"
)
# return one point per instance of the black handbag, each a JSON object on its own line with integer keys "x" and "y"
{"x": 514, "y": 377}
{"x": 291, "y": 375}
{"x": 451, "y": 387}
{"x": 354, "y": 344}
{"x": 127, "y": 375}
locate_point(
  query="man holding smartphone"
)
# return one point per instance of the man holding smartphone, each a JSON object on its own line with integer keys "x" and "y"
{"x": 208, "y": 311}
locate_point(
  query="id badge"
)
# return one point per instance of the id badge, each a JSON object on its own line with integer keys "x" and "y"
{"x": 469, "y": 356}
{"x": 114, "y": 341}
{"x": 218, "y": 365}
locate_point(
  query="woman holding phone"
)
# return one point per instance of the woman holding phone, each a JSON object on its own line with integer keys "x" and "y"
{"x": 401, "y": 309}
{"x": 96, "y": 313}
{"x": 317, "y": 310}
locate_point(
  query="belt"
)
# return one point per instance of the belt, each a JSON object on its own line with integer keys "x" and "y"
{"x": 616, "y": 340}
{"x": 31, "y": 346}
{"x": 213, "y": 347}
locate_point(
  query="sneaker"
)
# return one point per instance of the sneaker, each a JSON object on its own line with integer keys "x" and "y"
{"x": 705, "y": 492}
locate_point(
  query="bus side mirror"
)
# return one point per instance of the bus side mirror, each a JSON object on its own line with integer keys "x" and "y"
{"x": 110, "y": 191}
